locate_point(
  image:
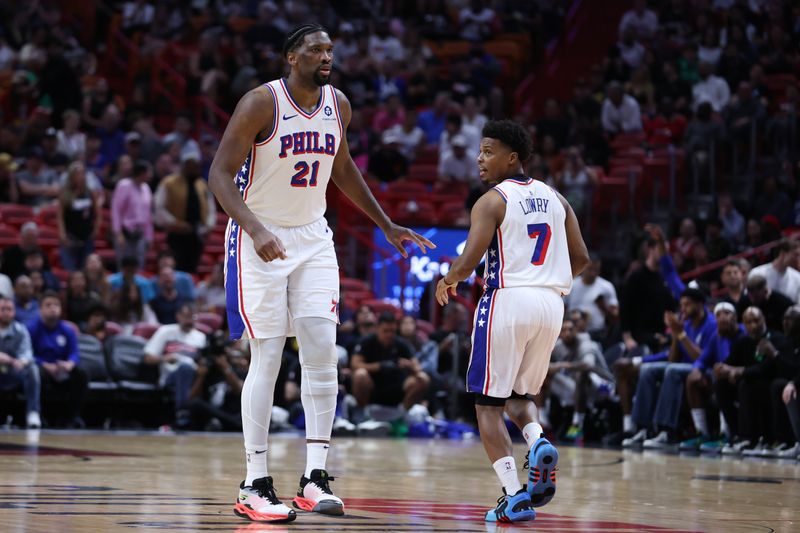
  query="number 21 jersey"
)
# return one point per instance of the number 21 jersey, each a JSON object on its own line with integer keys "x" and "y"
{"x": 529, "y": 249}
{"x": 284, "y": 178}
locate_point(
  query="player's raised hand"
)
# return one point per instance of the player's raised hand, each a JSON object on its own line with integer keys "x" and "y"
{"x": 397, "y": 235}
{"x": 443, "y": 291}
{"x": 268, "y": 246}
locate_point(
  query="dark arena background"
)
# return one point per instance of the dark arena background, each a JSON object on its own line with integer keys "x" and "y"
{"x": 670, "y": 126}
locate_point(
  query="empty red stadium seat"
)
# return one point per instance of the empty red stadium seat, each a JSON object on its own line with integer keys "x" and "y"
{"x": 379, "y": 306}
{"x": 212, "y": 320}
{"x": 145, "y": 330}
{"x": 353, "y": 284}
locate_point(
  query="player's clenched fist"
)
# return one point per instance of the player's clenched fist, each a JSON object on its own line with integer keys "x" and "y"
{"x": 268, "y": 246}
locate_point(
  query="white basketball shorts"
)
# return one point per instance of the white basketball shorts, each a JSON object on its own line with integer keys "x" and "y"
{"x": 513, "y": 335}
{"x": 263, "y": 298}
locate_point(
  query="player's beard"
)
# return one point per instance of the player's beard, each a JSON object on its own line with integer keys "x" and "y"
{"x": 320, "y": 79}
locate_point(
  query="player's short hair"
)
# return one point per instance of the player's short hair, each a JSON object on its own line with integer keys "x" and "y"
{"x": 512, "y": 134}
{"x": 50, "y": 295}
{"x": 387, "y": 317}
{"x": 696, "y": 295}
{"x": 295, "y": 38}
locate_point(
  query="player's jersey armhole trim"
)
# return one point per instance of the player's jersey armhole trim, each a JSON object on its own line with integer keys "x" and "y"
{"x": 501, "y": 193}
{"x": 276, "y": 110}
{"x": 336, "y": 110}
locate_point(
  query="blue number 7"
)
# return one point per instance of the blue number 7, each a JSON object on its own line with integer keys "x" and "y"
{"x": 540, "y": 232}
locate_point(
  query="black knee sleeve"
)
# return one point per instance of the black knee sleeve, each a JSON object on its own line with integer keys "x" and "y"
{"x": 489, "y": 401}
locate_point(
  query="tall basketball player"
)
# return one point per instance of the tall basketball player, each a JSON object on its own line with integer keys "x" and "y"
{"x": 533, "y": 248}
{"x": 284, "y": 142}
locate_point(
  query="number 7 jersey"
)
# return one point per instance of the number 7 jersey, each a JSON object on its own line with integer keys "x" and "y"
{"x": 284, "y": 178}
{"x": 529, "y": 249}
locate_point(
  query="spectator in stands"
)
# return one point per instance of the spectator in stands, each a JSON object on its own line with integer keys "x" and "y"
{"x": 185, "y": 208}
{"x": 453, "y": 128}
{"x": 94, "y": 160}
{"x": 52, "y": 158}
{"x": 432, "y": 120}
{"x": 211, "y": 291}
{"x": 597, "y": 296}
{"x": 630, "y": 49}
{"x": 35, "y": 264}
{"x": 456, "y": 165}
{"x": 112, "y": 138}
{"x": 733, "y": 224}
{"x": 409, "y": 137}
{"x": 184, "y": 283}
{"x": 789, "y": 397}
{"x": 747, "y": 422}
{"x": 96, "y": 322}
{"x": 472, "y": 115}
{"x": 97, "y": 279}
{"x": 215, "y": 397}
{"x": 552, "y": 123}
{"x": 385, "y": 371}
{"x": 390, "y": 114}
{"x": 772, "y": 304}
{"x": 642, "y": 20}
{"x": 780, "y": 275}
{"x": 6, "y": 287}
{"x": 659, "y": 406}
{"x": 773, "y": 201}
{"x": 686, "y": 240}
{"x": 569, "y": 375}
{"x": 743, "y": 113}
{"x": 55, "y": 348}
{"x": 9, "y": 192}
{"x": 132, "y": 214}
{"x": 95, "y": 101}
{"x": 424, "y": 350}
{"x": 576, "y": 181}
{"x": 120, "y": 170}
{"x": 17, "y": 367}
{"x": 14, "y": 256}
{"x": 620, "y": 111}
{"x": 129, "y": 273}
{"x": 71, "y": 141}
{"x": 78, "y": 301}
{"x": 674, "y": 88}
{"x": 167, "y": 301}
{"x": 182, "y": 134}
{"x": 699, "y": 381}
{"x": 128, "y": 309}
{"x": 351, "y": 332}
{"x": 38, "y": 184}
{"x": 79, "y": 214}
{"x": 386, "y": 162}
{"x": 701, "y": 133}
{"x": 732, "y": 279}
{"x": 717, "y": 246}
{"x": 641, "y": 87}
{"x": 384, "y": 46}
{"x": 709, "y": 49}
{"x": 26, "y": 306}
{"x": 476, "y": 21}
{"x": 710, "y": 88}
{"x": 175, "y": 348}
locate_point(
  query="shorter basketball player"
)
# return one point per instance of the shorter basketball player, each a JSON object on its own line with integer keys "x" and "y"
{"x": 533, "y": 248}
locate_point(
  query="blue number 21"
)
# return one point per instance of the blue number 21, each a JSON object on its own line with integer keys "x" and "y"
{"x": 299, "y": 179}
{"x": 540, "y": 232}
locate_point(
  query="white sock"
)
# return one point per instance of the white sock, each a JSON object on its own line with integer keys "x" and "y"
{"x": 627, "y": 424}
{"x": 577, "y": 418}
{"x": 316, "y": 455}
{"x": 256, "y": 459}
{"x": 506, "y": 470}
{"x": 723, "y": 426}
{"x": 700, "y": 422}
{"x": 532, "y": 432}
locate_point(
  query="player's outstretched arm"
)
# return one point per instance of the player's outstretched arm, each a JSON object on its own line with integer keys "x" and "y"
{"x": 487, "y": 215}
{"x": 254, "y": 113}
{"x": 578, "y": 253}
{"x": 348, "y": 178}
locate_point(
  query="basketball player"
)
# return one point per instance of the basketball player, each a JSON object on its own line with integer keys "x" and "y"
{"x": 284, "y": 142}
{"x": 533, "y": 249}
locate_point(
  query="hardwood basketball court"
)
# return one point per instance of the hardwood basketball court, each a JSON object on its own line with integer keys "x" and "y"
{"x": 90, "y": 482}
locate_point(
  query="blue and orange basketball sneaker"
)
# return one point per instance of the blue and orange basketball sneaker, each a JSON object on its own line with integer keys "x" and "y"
{"x": 510, "y": 509}
{"x": 542, "y": 465}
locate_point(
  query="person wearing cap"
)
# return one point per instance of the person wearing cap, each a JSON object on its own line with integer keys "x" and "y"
{"x": 700, "y": 379}
{"x": 38, "y": 184}
{"x": 52, "y": 157}
{"x": 456, "y": 165}
{"x": 9, "y": 192}
{"x": 185, "y": 208}
{"x": 657, "y": 405}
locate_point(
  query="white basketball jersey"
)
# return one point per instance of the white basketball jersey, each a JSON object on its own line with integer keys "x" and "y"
{"x": 529, "y": 249}
{"x": 284, "y": 178}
